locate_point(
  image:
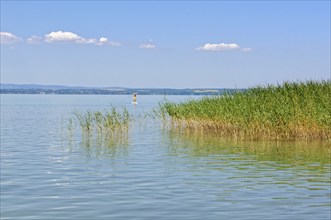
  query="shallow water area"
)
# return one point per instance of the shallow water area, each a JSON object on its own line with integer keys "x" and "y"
{"x": 48, "y": 172}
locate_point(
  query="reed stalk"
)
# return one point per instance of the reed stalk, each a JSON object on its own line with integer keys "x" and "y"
{"x": 109, "y": 123}
{"x": 299, "y": 110}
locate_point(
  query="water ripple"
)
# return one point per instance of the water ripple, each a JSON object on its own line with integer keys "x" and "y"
{"x": 155, "y": 175}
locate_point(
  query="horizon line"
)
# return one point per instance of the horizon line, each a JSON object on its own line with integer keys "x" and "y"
{"x": 104, "y": 87}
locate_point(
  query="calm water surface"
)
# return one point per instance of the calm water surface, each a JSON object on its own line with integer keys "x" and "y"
{"x": 156, "y": 173}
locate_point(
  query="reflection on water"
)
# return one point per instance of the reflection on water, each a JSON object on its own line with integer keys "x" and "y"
{"x": 103, "y": 133}
{"x": 265, "y": 174}
{"x": 106, "y": 147}
{"x": 96, "y": 144}
{"x": 292, "y": 153}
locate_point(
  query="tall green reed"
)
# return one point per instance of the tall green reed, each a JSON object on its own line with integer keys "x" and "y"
{"x": 299, "y": 110}
{"x": 109, "y": 123}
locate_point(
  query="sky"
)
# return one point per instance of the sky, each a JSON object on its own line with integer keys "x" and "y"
{"x": 165, "y": 44}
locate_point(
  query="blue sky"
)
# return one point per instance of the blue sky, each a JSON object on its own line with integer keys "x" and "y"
{"x": 170, "y": 44}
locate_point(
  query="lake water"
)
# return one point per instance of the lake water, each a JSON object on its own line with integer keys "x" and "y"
{"x": 156, "y": 173}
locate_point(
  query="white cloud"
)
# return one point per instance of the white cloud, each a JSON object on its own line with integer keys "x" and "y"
{"x": 147, "y": 46}
{"x": 102, "y": 41}
{"x": 105, "y": 41}
{"x": 247, "y": 49}
{"x": 61, "y": 36}
{"x": 218, "y": 47}
{"x": 8, "y": 38}
{"x": 34, "y": 40}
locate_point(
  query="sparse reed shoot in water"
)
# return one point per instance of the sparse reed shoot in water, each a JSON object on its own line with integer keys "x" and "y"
{"x": 109, "y": 123}
{"x": 103, "y": 133}
{"x": 300, "y": 110}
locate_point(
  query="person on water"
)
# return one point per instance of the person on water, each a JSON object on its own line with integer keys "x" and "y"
{"x": 135, "y": 97}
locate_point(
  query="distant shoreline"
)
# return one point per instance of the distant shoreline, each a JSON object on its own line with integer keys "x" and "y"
{"x": 65, "y": 90}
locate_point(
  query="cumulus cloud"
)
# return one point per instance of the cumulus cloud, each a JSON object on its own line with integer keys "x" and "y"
{"x": 8, "y": 38}
{"x": 147, "y": 46}
{"x": 105, "y": 41}
{"x": 61, "y": 36}
{"x": 56, "y": 36}
{"x": 102, "y": 41}
{"x": 218, "y": 47}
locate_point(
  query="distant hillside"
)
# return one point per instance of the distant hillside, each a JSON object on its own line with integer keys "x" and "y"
{"x": 59, "y": 89}
{"x": 36, "y": 86}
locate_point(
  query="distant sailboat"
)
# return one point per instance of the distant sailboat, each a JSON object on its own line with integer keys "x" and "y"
{"x": 135, "y": 98}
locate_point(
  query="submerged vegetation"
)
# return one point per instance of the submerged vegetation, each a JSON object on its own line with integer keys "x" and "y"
{"x": 108, "y": 122}
{"x": 108, "y": 128}
{"x": 313, "y": 154}
{"x": 300, "y": 110}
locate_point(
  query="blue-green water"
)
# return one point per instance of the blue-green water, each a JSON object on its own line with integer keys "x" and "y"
{"x": 46, "y": 173}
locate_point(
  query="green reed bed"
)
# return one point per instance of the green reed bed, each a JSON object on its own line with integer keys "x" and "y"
{"x": 299, "y": 110}
{"x": 109, "y": 123}
{"x": 103, "y": 133}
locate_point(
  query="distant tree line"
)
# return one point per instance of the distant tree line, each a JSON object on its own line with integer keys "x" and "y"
{"x": 120, "y": 91}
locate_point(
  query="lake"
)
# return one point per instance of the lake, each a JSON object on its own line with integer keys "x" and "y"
{"x": 48, "y": 172}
